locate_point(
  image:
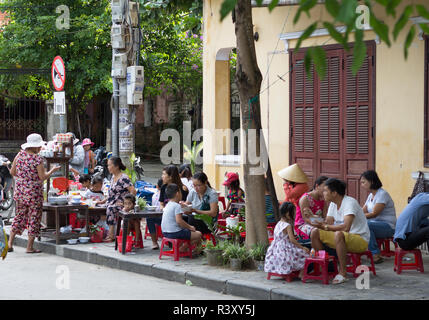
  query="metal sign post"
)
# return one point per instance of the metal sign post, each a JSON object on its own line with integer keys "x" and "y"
{"x": 58, "y": 73}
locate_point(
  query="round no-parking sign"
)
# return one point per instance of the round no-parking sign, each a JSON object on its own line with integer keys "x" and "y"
{"x": 58, "y": 73}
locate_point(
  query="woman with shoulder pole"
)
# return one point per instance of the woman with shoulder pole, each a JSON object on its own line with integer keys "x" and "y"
{"x": 29, "y": 172}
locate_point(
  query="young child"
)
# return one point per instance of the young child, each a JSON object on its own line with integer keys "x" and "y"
{"x": 95, "y": 192}
{"x": 155, "y": 196}
{"x": 133, "y": 224}
{"x": 285, "y": 254}
{"x": 235, "y": 193}
{"x": 172, "y": 225}
{"x": 85, "y": 181}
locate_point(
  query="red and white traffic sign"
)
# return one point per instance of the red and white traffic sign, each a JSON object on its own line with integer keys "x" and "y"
{"x": 58, "y": 73}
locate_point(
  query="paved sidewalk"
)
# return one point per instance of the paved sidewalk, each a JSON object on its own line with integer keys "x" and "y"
{"x": 251, "y": 284}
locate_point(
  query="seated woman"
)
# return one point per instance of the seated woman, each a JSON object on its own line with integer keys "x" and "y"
{"x": 380, "y": 211}
{"x": 295, "y": 183}
{"x": 170, "y": 174}
{"x": 311, "y": 205}
{"x": 235, "y": 193}
{"x": 204, "y": 200}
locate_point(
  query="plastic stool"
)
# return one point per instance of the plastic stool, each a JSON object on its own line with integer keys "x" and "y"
{"x": 137, "y": 243}
{"x": 175, "y": 250}
{"x": 384, "y": 246}
{"x": 158, "y": 232}
{"x": 287, "y": 277}
{"x": 322, "y": 263}
{"x": 400, "y": 265}
{"x": 128, "y": 246}
{"x": 354, "y": 261}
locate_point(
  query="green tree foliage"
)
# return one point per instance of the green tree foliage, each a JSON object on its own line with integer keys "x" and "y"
{"x": 31, "y": 39}
{"x": 345, "y": 13}
{"x": 172, "y": 46}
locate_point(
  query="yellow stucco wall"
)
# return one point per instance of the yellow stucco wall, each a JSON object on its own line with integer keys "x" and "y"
{"x": 399, "y": 95}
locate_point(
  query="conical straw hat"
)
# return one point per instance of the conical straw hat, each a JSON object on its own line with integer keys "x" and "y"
{"x": 293, "y": 173}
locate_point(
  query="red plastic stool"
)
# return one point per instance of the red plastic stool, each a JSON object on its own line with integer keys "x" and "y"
{"x": 384, "y": 246}
{"x": 158, "y": 232}
{"x": 317, "y": 274}
{"x": 210, "y": 236}
{"x": 287, "y": 277}
{"x": 354, "y": 261}
{"x": 128, "y": 246}
{"x": 400, "y": 265}
{"x": 175, "y": 250}
{"x": 137, "y": 243}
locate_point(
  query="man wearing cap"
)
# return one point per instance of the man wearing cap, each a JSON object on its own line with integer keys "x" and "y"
{"x": 78, "y": 161}
{"x": 295, "y": 183}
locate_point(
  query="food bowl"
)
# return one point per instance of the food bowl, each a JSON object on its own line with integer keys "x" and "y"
{"x": 84, "y": 239}
{"x": 151, "y": 208}
{"x": 72, "y": 241}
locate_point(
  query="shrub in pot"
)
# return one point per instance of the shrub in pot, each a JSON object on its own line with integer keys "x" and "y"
{"x": 213, "y": 253}
{"x": 96, "y": 233}
{"x": 257, "y": 253}
{"x": 236, "y": 254}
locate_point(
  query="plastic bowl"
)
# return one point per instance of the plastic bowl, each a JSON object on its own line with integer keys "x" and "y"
{"x": 83, "y": 239}
{"x": 72, "y": 241}
{"x": 151, "y": 208}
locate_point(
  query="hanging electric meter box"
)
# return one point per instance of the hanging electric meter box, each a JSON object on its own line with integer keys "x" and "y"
{"x": 118, "y": 7}
{"x": 135, "y": 84}
{"x": 134, "y": 13}
{"x": 118, "y": 36}
{"x": 119, "y": 65}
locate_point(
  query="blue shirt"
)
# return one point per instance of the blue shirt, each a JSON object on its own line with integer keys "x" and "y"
{"x": 414, "y": 214}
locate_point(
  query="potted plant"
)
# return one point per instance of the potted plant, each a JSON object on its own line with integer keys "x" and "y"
{"x": 96, "y": 233}
{"x": 142, "y": 203}
{"x": 213, "y": 253}
{"x": 236, "y": 254}
{"x": 257, "y": 253}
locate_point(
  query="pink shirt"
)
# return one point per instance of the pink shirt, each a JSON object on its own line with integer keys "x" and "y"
{"x": 316, "y": 207}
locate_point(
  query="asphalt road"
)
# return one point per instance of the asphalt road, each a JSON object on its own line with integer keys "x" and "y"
{"x": 43, "y": 276}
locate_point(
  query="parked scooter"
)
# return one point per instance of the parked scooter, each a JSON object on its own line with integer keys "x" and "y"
{"x": 7, "y": 186}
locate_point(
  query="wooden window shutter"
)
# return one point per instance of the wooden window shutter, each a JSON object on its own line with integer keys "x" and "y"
{"x": 426, "y": 110}
{"x": 303, "y": 108}
{"x": 357, "y": 108}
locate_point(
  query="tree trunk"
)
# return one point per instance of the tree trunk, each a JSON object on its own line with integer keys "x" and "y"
{"x": 249, "y": 78}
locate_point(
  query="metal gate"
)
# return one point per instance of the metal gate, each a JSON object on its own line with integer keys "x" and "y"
{"x": 21, "y": 116}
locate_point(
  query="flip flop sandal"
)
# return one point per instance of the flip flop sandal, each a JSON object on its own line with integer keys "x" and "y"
{"x": 34, "y": 251}
{"x": 155, "y": 247}
{"x": 10, "y": 250}
{"x": 339, "y": 279}
{"x": 380, "y": 260}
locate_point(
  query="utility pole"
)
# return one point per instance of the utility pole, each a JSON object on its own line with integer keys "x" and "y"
{"x": 127, "y": 76}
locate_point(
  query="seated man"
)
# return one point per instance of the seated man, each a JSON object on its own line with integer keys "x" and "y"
{"x": 412, "y": 226}
{"x": 345, "y": 227}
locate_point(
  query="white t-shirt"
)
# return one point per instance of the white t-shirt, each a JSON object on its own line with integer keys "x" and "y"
{"x": 168, "y": 223}
{"x": 349, "y": 206}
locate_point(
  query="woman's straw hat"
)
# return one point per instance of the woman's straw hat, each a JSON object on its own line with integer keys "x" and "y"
{"x": 34, "y": 140}
{"x": 293, "y": 173}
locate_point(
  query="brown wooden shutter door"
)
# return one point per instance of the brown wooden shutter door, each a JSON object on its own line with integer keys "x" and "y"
{"x": 303, "y": 117}
{"x": 358, "y": 126}
{"x": 332, "y": 120}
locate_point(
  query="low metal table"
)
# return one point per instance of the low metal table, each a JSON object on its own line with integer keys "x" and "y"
{"x": 56, "y": 210}
{"x": 128, "y": 216}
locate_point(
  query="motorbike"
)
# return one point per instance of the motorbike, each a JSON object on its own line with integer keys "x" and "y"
{"x": 101, "y": 156}
{"x": 7, "y": 186}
